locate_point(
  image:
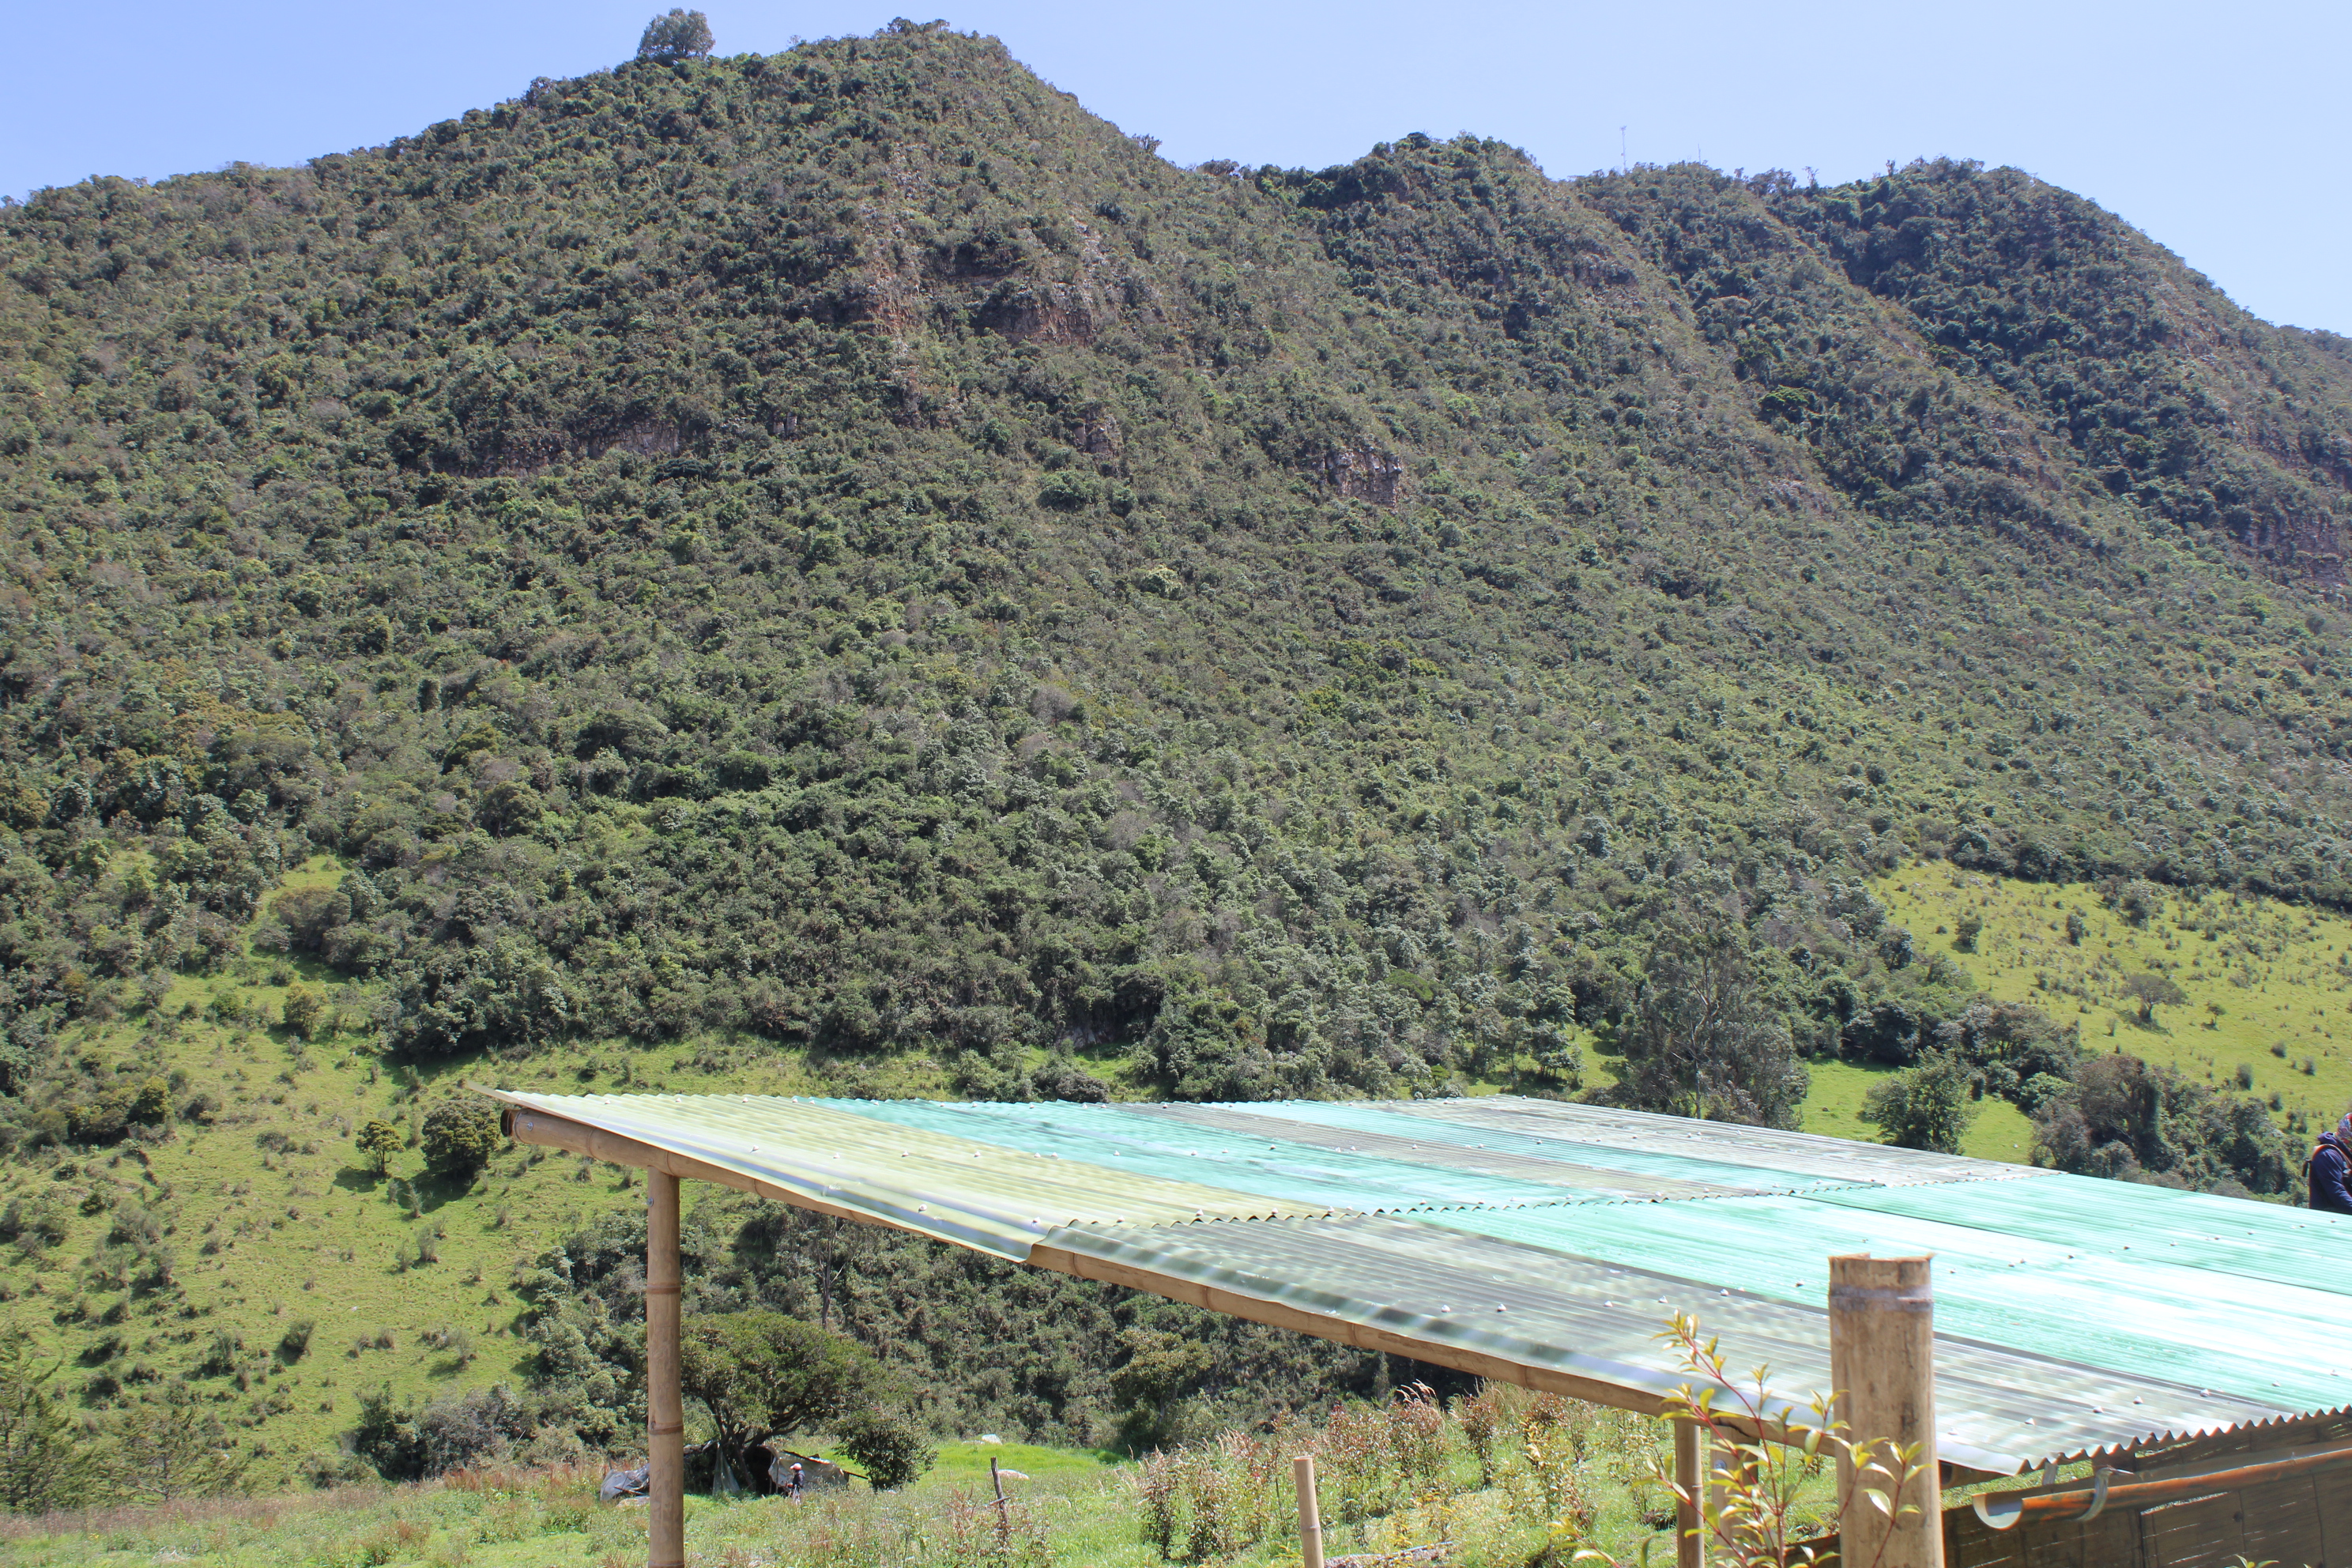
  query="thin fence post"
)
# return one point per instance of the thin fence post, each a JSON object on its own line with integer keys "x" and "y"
{"x": 665, "y": 1408}
{"x": 1690, "y": 1524}
{"x": 1883, "y": 1365}
{"x": 1310, "y": 1512}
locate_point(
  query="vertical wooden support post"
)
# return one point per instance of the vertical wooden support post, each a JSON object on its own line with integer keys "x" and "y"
{"x": 1882, "y": 1363}
{"x": 665, "y": 1409}
{"x": 1310, "y": 1512}
{"x": 1690, "y": 1522}
{"x": 1725, "y": 1463}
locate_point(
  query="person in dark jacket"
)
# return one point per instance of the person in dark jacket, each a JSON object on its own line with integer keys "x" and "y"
{"x": 2331, "y": 1169}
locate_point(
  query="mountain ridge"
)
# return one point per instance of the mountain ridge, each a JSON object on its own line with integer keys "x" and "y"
{"x": 866, "y": 447}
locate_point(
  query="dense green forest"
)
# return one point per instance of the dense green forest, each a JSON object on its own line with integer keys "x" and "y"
{"x": 843, "y": 554}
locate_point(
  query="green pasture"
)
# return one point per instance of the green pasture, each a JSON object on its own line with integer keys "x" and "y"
{"x": 2268, "y": 984}
{"x": 1833, "y": 1105}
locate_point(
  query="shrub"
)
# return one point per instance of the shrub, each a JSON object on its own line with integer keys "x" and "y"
{"x": 2124, "y": 1117}
{"x": 220, "y": 1354}
{"x": 887, "y": 1447}
{"x": 302, "y": 1012}
{"x": 1928, "y": 1106}
{"x": 1885, "y": 1031}
{"x": 406, "y": 1443}
{"x": 460, "y": 1135}
{"x": 34, "y": 1222}
{"x": 1209, "y": 1499}
{"x": 2039, "y": 1091}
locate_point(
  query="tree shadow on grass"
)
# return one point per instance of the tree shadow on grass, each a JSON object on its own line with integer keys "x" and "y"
{"x": 434, "y": 1188}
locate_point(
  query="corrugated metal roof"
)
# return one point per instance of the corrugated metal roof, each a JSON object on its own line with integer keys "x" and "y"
{"x": 2072, "y": 1314}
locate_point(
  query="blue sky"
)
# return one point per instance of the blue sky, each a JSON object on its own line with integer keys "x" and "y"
{"x": 2219, "y": 129}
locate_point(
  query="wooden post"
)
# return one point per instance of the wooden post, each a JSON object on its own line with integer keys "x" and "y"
{"x": 1725, "y": 1463}
{"x": 1883, "y": 1364}
{"x": 1310, "y": 1512}
{"x": 1690, "y": 1526}
{"x": 665, "y": 1409}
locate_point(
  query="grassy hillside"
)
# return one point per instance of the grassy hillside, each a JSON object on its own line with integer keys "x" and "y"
{"x": 1833, "y": 1107}
{"x": 253, "y": 1253}
{"x": 2266, "y": 985}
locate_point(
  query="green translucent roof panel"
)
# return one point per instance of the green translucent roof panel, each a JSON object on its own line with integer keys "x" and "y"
{"x": 2072, "y": 1314}
{"x": 1278, "y": 1158}
{"x": 1997, "y": 1408}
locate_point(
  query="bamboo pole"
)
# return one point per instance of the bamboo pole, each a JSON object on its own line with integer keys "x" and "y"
{"x": 1690, "y": 1528}
{"x": 1725, "y": 1465}
{"x": 1883, "y": 1365}
{"x": 665, "y": 1409}
{"x": 1310, "y": 1512}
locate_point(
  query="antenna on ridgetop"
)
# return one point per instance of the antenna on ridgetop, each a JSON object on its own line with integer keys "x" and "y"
{"x": 1622, "y": 163}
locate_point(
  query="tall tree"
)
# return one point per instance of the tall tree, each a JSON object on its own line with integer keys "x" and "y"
{"x": 681, "y": 35}
{"x": 46, "y": 1460}
{"x": 1702, "y": 1041}
{"x": 763, "y": 1374}
{"x": 176, "y": 1449}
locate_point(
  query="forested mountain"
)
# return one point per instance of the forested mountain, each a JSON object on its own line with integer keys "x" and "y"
{"x": 846, "y": 550}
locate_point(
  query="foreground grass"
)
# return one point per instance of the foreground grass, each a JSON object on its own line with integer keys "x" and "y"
{"x": 1070, "y": 1507}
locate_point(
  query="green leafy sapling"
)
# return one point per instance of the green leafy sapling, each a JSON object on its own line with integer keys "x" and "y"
{"x": 1750, "y": 1517}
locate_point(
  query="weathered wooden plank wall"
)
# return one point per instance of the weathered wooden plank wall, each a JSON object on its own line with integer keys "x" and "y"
{"x": 2298, "y": 1521}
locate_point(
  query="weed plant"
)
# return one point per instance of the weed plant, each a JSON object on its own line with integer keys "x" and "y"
{"x": 1501, "y": 1472}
